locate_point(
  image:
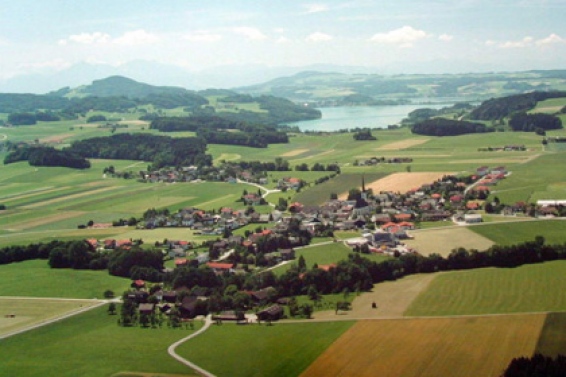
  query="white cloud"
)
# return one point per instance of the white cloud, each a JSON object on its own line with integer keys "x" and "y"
{"x": 551, "y": 39}
{"x": 282, "y": 40}
{"x": 87, "y": 38}
{"x": 404, "y": 37}
{"x": 315, "y": 8}
{"x": 136, "y": 37}
{"x": 445, "y": 37}
{"x": 250, "y": 33}
{"x": 203, "y": 36}
{"x": 527, "y": 42}
{"x": 130, "y": 38}
{"x": 318, "y": 37}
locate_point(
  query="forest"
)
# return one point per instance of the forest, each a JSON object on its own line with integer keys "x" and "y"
{"x": 498, "y": 108}
{"x": 448, "y": 127}
{"x": 213, "y": 129}
{"x": 531, "y": 122}
{"x": 47, "y": 156}
{"x": 161, "y": 151}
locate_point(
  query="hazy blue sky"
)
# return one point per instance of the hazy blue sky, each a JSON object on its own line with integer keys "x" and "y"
{"x": 397, "y": 35}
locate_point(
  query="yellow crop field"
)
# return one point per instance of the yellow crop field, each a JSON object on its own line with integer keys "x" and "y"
{"x": 464, "y": 346}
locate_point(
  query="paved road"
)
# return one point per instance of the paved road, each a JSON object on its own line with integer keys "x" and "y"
{"x": 267, "y": 191}
{"x": 176, "y": 356}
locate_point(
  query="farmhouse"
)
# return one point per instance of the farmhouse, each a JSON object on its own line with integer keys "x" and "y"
{"x": 272, "y": 313}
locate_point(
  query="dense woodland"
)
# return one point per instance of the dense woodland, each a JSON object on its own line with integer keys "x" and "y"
{"x": 498, "y": 108}
{"x": 536, "y": 366}
{"x": 47, "y": 156}
{"x": 218, "y": 130}
{"x": 448, "y": 127}
{"x": 531, "y": 122}
{"x": 161, "y": 151}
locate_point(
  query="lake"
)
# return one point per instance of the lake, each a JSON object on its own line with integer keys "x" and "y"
{"x": 336, "y": 118}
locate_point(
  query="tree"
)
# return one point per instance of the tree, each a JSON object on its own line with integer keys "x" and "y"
{"x": 307, "y": 310}
{"x": 313, "y": 294}
{"x": 112, "y": 308}
{"x": 108, "y": 294}
{"x": 302, "y": 264}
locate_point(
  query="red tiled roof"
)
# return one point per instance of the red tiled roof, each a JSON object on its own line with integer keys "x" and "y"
{"x": 220, "y": 266}
{"x": 327, "y": 267}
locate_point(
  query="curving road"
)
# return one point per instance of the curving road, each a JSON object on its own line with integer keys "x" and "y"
{"x": 176, "y": 356}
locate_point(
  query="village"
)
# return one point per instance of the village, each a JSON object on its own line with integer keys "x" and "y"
{"x": 383, "y": 220}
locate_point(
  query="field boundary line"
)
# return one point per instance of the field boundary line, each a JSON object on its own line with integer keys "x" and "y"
{"x": 52, "y": 320}
{"x": 176, "y": 356}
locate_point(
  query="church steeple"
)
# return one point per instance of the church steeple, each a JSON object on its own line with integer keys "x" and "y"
{"x": 363, "y": 183}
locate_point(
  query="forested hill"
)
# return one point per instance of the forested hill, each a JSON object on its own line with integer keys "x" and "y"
{"x": 119, "y": 86}
{"x": 498, "y": 108}
{"x": 121, "y": 94}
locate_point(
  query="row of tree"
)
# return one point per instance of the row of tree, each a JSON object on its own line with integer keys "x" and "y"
{"x": 47, "y": 156}
{"x": 27, "y": 119}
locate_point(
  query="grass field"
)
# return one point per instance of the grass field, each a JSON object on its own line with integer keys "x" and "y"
{"x": 429, "y": 347}
{"x": 36, "y": 279}
{"x": 443, "y": 240}
{"x": 29, "y": 312}
{"x": 338, "y": 185}
{"x": 279, "y": 350}
{"x": 91, "y": 345}
{"x": 327, "y": 253}
{"x": 554, "y": 231}
{"x": 552, "y": 340}
{"x": 529, "y": 288}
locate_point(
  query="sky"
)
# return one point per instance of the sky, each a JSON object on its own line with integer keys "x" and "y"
{"x": 401, "y": 36}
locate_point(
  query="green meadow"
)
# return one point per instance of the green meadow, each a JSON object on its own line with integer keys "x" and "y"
{"x": 324, "y": 254}
{"x": 91, "y": 345}
{"x": 36, "y": 279}
{"x": 261, "y": 350}
{"x": 528, "y": 288}
{"x": 553, "y": 231}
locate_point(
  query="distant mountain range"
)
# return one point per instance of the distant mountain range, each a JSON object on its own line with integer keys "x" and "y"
{"x": 317, "y": 85}
{"x": 159, "y": 74}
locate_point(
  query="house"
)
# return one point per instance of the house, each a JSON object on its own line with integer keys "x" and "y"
{"x": 272, "y": 313}
{"x": 170, "y": 296}
{"x": 146, "y": 308}
{"x": 229, "y": 315}
{"x": 472, "y": 218}
{"x": 287, "y": 254}
{"x": 262, "y": 295}
{"x": 481, "y": 171}
{"x": 381, "y": 238}
{"x": 188, "y": 307}
{"x": 221, "y": 267}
